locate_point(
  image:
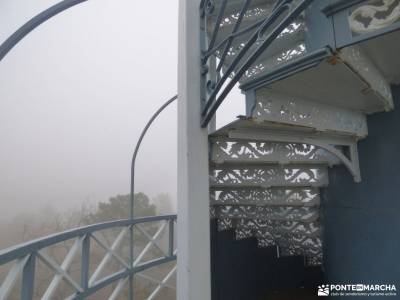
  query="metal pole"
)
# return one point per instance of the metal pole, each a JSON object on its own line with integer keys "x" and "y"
{"x": 132, "y": 191}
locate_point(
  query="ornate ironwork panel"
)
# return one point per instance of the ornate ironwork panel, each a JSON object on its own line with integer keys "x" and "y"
{"x": 365, "y": 20}
{"x": 237, "y": 34}
{"x": 266, "y": 197}
{"x": 298, "y": 214}
{"x": 374, "y": 15}
{"x": 262, "y": 176}
{"x": 311, "y": 229}
{"x": 285, "y": 109}
{"x": 228, "y": 150}
{"x": 292, "y": 238}
{"x": 226, "y": 224}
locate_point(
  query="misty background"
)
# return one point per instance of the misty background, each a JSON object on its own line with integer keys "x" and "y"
{"x": 74, "y": 97}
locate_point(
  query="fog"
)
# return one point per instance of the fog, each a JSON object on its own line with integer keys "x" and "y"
{"x": 74, "y": 96}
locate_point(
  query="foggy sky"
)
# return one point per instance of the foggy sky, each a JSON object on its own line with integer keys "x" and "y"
{"x": 74, "y": 96}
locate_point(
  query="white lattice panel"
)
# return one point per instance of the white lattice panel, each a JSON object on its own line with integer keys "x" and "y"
{"x": 266, "y": 197}
{"x": 268, "y": 176}
{"x": 228, "y": 150}
{"x": 300, "y": 214}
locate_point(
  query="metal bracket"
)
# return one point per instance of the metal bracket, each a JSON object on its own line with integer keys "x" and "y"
{"x": 327, "y": 142}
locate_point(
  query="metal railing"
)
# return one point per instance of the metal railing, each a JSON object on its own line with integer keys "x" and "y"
{"x": 25, "y": 256}
{"x": 219, "y": 77}
{"x": 24, "y": 259}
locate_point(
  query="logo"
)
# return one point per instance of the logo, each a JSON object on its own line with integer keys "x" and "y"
{"x": 359, "y": 287}
{"x": 323, "y": 290}
{"x": 351, "y": 290}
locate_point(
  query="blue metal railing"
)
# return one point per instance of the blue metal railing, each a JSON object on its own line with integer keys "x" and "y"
{"x": 24, "y": 259}
{"x": 25, "y": 255}
{"x": 217, "y": 81}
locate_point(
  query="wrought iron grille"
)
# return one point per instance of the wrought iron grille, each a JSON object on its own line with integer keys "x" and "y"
{"x": 219, "y": 75}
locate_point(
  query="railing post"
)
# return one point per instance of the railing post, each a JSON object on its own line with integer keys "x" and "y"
{"x": 28, "y": 278}
{"x": 85, "y": 262}
{"x": 131, "y": 256}
{"x": 171, "y": 237}
{"x": 132, "y": 191}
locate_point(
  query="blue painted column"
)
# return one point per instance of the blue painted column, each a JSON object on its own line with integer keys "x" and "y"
{"x": 362, "y": 234}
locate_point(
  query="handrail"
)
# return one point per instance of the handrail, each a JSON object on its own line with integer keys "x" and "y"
{"x": 30, "y": 248}
{"x": 25, "y": 253}
{"x": 217, "y": 86}
{"x": 14, "y": 252}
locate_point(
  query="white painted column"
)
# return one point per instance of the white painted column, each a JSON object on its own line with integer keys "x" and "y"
{"x": 194, "y": 277}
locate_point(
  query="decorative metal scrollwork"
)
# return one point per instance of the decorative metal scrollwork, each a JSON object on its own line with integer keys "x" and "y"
{"x": 293, "y": 238}
{"x": 375, "y": 15}
{"x": 267, "y": 197}
{"x": 225, "y": 150}
{"x": 281, "y": 213}
{"x": 274, "y": 176}
{"x": 220, "y": 76}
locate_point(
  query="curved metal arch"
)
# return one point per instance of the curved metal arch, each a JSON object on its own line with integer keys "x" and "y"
{"x": 33, "y": 23}
{"x": 132, "y": 183}
{"x": 139, "y": 142}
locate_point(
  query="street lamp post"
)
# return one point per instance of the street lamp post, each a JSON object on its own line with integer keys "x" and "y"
{"x": 132, "y": 190}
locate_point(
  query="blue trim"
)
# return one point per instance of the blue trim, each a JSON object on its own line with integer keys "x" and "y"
{"x": 153, "y": 263}
{"x": 339, "y": 5}
{"x": 344, "y": 37}
{"x": 28, "y": 278}
{"x": 250, "y": 102}
{"x": 120, "y": 275}
{"x": 21, "y": 250}
{"x": 31, "y": 249}
{"x": 339, "y": 11}
{"x": 103, "y": 283}
{"x": 320, "y": 31}
{"x": 85, "y": 262}
{"x": 306, "y": 62}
